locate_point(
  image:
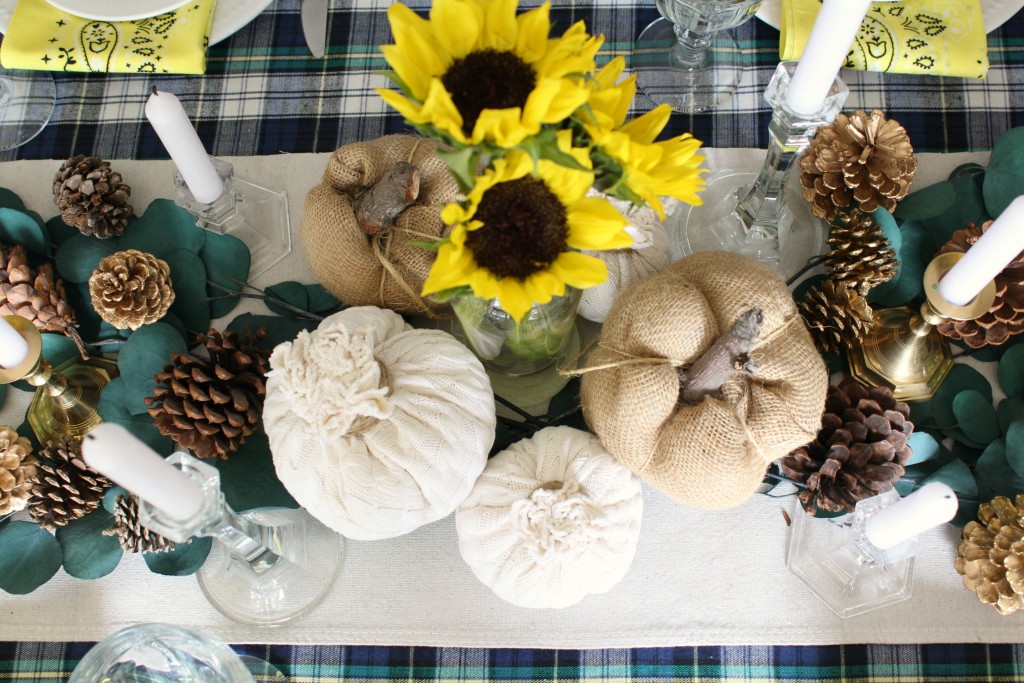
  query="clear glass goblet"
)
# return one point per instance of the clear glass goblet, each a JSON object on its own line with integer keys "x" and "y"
{"x": 686, "y": 59}
{"x": 26, "y": 104}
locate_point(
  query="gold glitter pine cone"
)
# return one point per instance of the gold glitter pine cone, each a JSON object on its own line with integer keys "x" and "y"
{"x": 990, "y": 556}
{"x": 836, "y": 315}
{"x": 1005, "y": 317}
{"x": 859, "y": 254}
{"x": 35, "y": 294}
{"x": 861, "y": 160}
{"x": 64, "y": 489}
{"x": 17, "y": 470}
{"x": 210, "y": 406}
{"x": 92, "y": 197}
{"x": 131, "y": 288}
{"x": 859, "y": 452}
{"x": 131, "y": 535}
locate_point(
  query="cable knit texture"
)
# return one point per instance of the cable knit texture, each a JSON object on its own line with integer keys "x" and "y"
{"x": 552, "y": 519}
{"x": 367, "y": 463}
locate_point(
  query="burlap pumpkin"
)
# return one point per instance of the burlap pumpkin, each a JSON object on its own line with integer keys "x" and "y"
{"x": 712, "y": 454}
{"x": 385, "y": 269}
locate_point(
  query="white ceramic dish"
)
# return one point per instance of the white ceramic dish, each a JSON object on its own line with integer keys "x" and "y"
{"x": 995, "y": 12}
{"x": 228, "y": 15}
{"x": 116, "y": 10}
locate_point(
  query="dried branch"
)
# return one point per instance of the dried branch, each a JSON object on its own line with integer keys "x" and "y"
{"x": 726, "y": 356}
{"x": 378, "y": 206}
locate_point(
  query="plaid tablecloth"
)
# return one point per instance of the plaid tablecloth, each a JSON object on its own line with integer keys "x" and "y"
{"x": 264, "y": 94}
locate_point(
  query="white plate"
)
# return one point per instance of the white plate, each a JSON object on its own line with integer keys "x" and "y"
{"x": 995, "y": 12}
{"x": 228, "y": 15}
{"x": 116, "y": 10}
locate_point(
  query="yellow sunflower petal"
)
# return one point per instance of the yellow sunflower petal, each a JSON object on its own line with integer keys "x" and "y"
{"x": 468, "y": 16}
{"x": 610, "y": 72}
{"x": 646, "y": 128}
{"x": 502, "y": 126}
{"x": 540, "y": 287}
{"x": 553, "y": 100}
{"x": 500, "y": 26}
{"x": 448, "y": 270}
{"x": 596, "y": 224}
{"x": 579, "y": 270}
{"x": 417, "y": 54}
{"x": 439, "y": 110}
{"x": 513, "y": 298}
{"x": 534, "y": 27}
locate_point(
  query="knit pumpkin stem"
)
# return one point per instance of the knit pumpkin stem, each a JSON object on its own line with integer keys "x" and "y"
{"x": 727, "y": 355}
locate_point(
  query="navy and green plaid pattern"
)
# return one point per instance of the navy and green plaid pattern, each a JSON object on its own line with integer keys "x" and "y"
{"x": 960, "y": 663}
{"x": 264, "y": 94}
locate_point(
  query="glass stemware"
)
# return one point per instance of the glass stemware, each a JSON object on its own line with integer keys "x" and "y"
{"x": 686, "y": 59}
{"x": 26, "y": 104}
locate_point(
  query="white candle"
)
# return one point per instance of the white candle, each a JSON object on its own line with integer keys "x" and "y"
{"x": 827, "y": 47}
{"x": 172, "y": 124}
{"x": 13, "y": 347}
{"x": 929, "y": 506}
{"x": 113, "y": 451}
{"x": 1000, "y": 244}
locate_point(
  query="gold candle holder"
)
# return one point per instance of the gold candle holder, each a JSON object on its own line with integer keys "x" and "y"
{"x": 904, "y": 350}
{"x": 66, "y": 398}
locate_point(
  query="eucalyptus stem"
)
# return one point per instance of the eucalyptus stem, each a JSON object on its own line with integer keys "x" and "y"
{"x": 261, "y": 295}
{"x": 811, "y": 263}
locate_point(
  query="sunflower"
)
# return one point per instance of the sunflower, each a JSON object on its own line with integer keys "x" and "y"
{"x": 646, "y": 168}
{"x": 515, "y": 236}
{"x": 478, "y": 73}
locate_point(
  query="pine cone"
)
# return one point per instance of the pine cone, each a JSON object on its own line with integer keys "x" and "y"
{"x": 990, "y": 556}
{"x": 91, "y": 197}
{"x": 836, "y": 315}
{"x": 133, "y": 537}
{"x": 35, "y": 294}
{"x": 860, "y": 160}
{"x": 130, "y": 289}
{"x": 859, "y": 254}
{"x": 859, "y": 452}
{"x": 1005, "y": 318}
{"x": 64, "y": 487}
{"x": 211, "y": 406}
{"x": 17, "y": 470}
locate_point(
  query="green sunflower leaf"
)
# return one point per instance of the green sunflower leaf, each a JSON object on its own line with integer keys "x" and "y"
{"x": 87, "y": 553}
{"x": 29, "y": 557}
{"x": 462, "y": 163}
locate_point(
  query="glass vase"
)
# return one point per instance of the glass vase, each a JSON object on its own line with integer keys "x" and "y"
{"x": 528, "y": 346}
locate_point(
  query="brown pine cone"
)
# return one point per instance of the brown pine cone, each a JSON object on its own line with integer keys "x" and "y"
{"x": 64, "y": 488}
{"x": 130, "y": 289}
{"x": 92, "y": 197}
{"x": 35, "y": 294}
{"x": 859, "y": 254}
{"x": 17, "y": 470}
{"x": 861, "y": 160}
{"x": 132, "y": 536}
{"x": 990, "y": 556}
{"x": 211, "y": 406}
{"x": 859, "y": 452}
{"x": 836, "y": 315}
{"x": 1005, "y": 318}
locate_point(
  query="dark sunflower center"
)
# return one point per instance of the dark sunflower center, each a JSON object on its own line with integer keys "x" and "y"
{"x": 524, "y": 229}
{"x": 488, "y": 79}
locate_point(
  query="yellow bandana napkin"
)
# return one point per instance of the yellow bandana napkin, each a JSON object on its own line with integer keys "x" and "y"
{"x": 40, "y": 36}
{"x": 937, "y": 37}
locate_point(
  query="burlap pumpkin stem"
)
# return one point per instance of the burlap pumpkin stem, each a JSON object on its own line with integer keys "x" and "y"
{"x": 1005, "y": 317}
{"x": 17, "y": 470}
{"x": 210, "y": 406}
{"x": 64, "y": 488}
{"x": 859, "y": 452}
{"x": 859, "y": 254}
{"x": 837, "y": 316}
{"x": 130, "y": 289}
{"x": 92, "y": 197}
{"x": 861, "y": 160}
{"x": 131, "y": 535}
{"x": 388, "y": 267}
{"x": 990, "y": 556}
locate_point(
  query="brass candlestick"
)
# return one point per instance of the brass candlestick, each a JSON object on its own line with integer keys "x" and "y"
{"x": 904, "y": 350}
{"x": 66, "y": 398}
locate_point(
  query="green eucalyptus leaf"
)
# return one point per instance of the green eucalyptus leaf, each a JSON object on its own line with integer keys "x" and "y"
{"x": 1004, "y": 179}
{"x": 113, "y": 407}
{"x": 57, "y": 350}
{"x": 3, "y": 394}
{"x": 87, "y": 553}
{"x": 1011, "y": 372}
{"x": 188, "y": 277}
{"x": 921, "y": 470}
{"x": 278, "y": 330}
{"x": 227, "y": 259}
{"x": 1009, "y": 411}
{"x": 163, "y": 228}
{"x": 29, "y": 557}
{"x": 994, "y": 474}
{"x": 970, "y": 168}
{"x": 960, "y": 378}
{"x": 1015, "y": 447}
{"x": 967, "y": 453}
{"x": 976, "y": 417}
{"x": 248, "y": 478}
{"x": 915, "y": 252}
{"x": 110, "y": 497}
{"x": 291, "y": 293}
{"x": 185, "y": 559}
{"x": 968, "y": 207}
{"x": 143, "y": 355}
{"x": 925, "y": 448}
{"x": 10, "y": 200}
{"x": 320, "y": 300}
{"x": 957, "y": 476}
{"x": 21, "y": 227}
{"x": 926, "y": 202}
{"x": 79, "y": 256}
{"x": 175, "y": 322}
{"x": 59, "y": 232}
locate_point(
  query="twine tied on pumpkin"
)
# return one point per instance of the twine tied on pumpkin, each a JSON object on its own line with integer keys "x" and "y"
{"x": 558, "y": 519}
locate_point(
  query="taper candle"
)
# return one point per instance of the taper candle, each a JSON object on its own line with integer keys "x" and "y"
{"x": 181, "y": 141}
{"x": 998, "y": 245}
{"x": 13, "y": 347}
{"x": 929, "y": 506}
{"x": 827, "y": 47}
{"x": 116, "y": 453}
